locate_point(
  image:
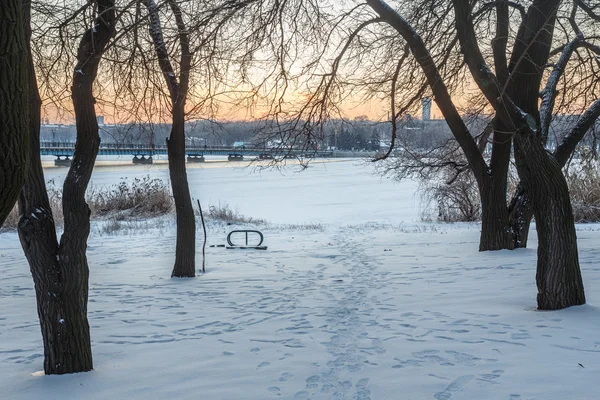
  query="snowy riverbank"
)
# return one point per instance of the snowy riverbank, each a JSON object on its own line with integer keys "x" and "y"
{"x": 372, "y": 304}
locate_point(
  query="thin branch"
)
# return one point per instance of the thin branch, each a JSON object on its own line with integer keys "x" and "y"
{"x": 549, "y": 92}
{"x": 439, "y": 89}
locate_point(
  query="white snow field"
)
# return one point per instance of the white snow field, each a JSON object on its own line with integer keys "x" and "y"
{"x": 371, "y": 304}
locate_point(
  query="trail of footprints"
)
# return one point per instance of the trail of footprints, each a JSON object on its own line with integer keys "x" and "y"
{"x": 350, "y": 322}
{"x": 351, "y": 329}
{"x": 348, "y": 316}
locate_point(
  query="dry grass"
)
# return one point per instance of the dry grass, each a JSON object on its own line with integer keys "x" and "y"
{"x": 142, "y": 198}
{"x": 55, "y": 198}
{"x": 309, "y": 226}
{"x": 223, "y": 212}
{"x": 459, "y": 201}
{"x": 584, "y": 186}
{"x": 455, "y": 202}
{"x": 117, "y": 225}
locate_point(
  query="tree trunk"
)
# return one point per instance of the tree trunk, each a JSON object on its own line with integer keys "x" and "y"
{"x": 60, "y": 271}
{"x": 496, "y": 233}
{"x": 520, "y": 216}
{"x": 185, "y": 253}
{"x": 14, "y": 142}
{"x": 558, "y": 274}
{"x": 520, "y": 209}
{"x": 37, "y": 233}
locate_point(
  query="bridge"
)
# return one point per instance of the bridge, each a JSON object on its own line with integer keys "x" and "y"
{"x": 143, "y": 154}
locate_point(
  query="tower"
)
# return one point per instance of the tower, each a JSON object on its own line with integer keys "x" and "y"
{"x": 426, "y": 103}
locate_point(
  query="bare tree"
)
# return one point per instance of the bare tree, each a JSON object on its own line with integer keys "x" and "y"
{"x": 579, "y": 83}
{"x": 571, "y": 67}
{"x": 60, "y": 269}
{"x": 513, "y": 94}
{"x": 437, "y": 62}
{"x": 185, "y": 254}
{"x": 14, "y": 134}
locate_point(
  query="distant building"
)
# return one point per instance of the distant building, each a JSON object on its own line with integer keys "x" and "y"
{"x": 100, "y": 119}
{"x": 426, "y": 103}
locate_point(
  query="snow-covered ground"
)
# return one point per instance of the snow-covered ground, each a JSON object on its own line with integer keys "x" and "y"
{"x": 371, "y": 304}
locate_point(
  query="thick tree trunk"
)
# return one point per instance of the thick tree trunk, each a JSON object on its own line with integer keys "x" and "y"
{"x": 520, "y": 214}
{"x": 60, "y": 271}
{"x": 14, "y": 134}
{"x": 37, "y": 233}
{"x": 496, "y": 233}
{"x": 185, "y": 254}
{"x": 558, "y": 274}
{"x": 520, "y": 209}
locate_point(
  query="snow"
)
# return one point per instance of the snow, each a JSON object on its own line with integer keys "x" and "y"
{"x": 372, "y": 304}
{"x": 326, "y": 192}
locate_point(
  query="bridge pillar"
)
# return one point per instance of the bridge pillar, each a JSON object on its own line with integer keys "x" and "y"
{"x": 235, "y": 157}
{"x": 62, "y": 162}
{"x": 142, "y": 160}
{"x": 195, "y": 159}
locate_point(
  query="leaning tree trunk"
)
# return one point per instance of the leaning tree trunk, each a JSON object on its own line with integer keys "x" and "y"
{"x": 14, "y": 134}
{"x": 60, "y": 271}
{"x": 558, "y": 274}
{"x": 520, "y": 207}
{"x": 527, "y": 65}
{"x": 185, "y": 253}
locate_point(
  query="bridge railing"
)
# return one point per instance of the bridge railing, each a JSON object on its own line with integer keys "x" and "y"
{"x": 62, "y": 148}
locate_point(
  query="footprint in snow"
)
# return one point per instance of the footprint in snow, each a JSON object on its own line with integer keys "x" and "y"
{"x": 263, "y": 364}
{"x": 453, "y": 388}
{"x": 285, "y": 377}
{"x": 301, "y": 395}
{"x": 274, "y": 390}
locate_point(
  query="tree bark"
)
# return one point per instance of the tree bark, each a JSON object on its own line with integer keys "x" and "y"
{"x": 185, "y": 254}
{"x": 496, "y": 232}
{"x": 558, "y": 274}
{"x": 520, "y": 214}
{"x": 14, "y": 133}
{"x": 60, "y": 271}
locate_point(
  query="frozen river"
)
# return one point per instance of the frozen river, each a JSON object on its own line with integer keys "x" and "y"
{"x": 333, "y": 192}
{"x": 378, "y": 311}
